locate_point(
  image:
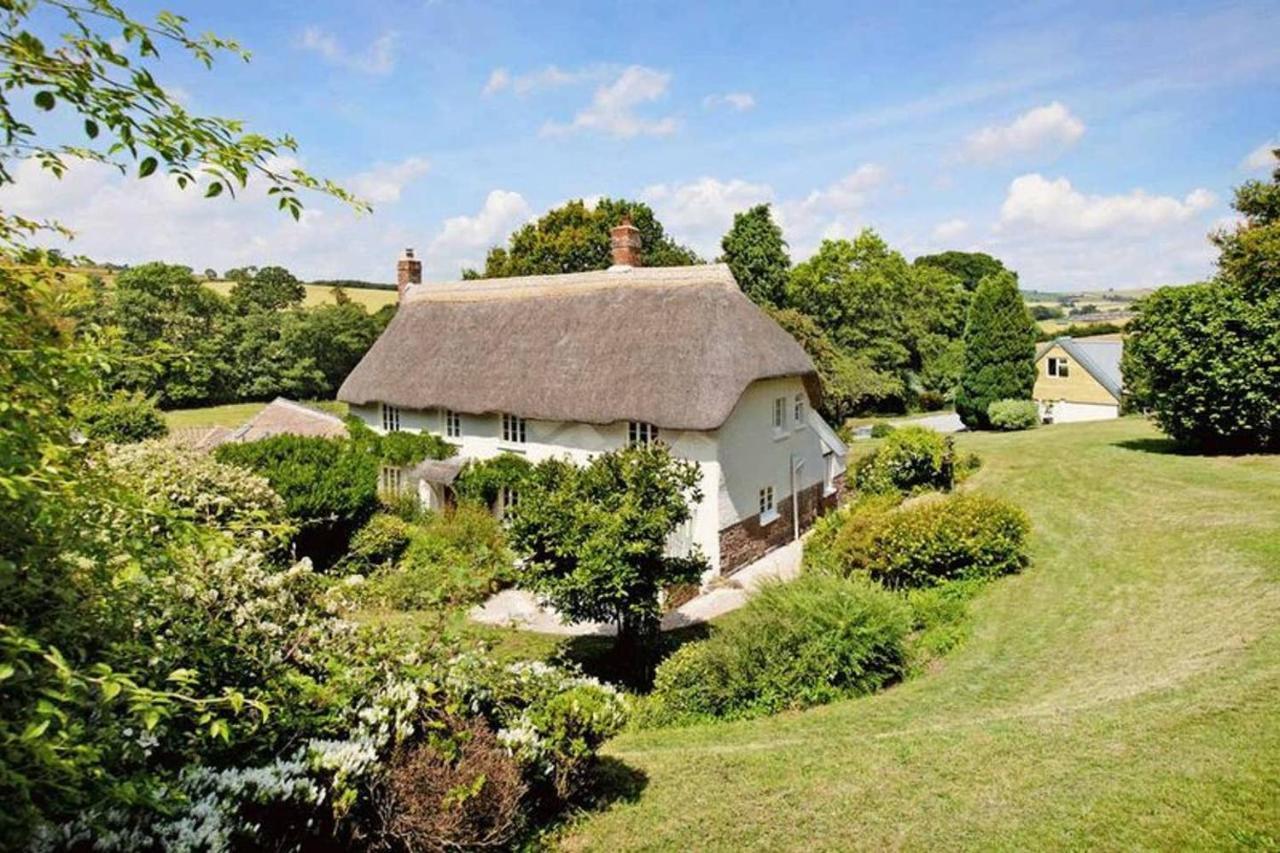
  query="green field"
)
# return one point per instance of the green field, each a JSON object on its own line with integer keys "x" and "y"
{"x": 1122, "y": 693}
{"x": 234, "y": 414}
{"x": 371, "y": 299}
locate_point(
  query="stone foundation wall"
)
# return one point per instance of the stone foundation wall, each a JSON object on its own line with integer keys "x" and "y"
{"x": 749, "y": 540}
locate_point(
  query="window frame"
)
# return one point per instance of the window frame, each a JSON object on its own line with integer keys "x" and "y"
{"x": 390, "y": 418}
{"x": 798, "y": 410}
{"x": 641, "y": 433}
{"x": 452, "y": 424}
{"x": 768, "y": 505}
{"x": 779, "y": 415}
{"x": 391, "y": 480}
{"x": 515, "y": 429}
{"x": 1059, "y": 367}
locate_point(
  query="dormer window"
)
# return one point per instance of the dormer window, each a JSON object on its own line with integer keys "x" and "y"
{"x": 390, "y": 418}
{"x": 514, "y": 429}
{"x": 639, "y": 432}
{"x": 1058, "y": 367}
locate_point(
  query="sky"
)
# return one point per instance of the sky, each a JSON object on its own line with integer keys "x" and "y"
{"x": 1087, "y": 145}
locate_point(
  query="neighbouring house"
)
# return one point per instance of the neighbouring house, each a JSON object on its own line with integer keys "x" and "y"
{"x": 1078, "y": 380}
{"x": 279, "y": 417}
{"x": 572, "y": 365}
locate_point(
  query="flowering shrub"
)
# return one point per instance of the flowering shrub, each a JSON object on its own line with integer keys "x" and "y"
{"x": 911, "y": 459}
{"x": 198, "y": 488}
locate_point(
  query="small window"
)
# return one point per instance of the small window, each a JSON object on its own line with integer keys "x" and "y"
{"x": 392, "y": 480}
{"x": 779, "y": 413}
{"x": 452, "y": 424}
{"x": 513, "y": 429}
{"x": 639, "y": 432}
{"x": 767, "y": 511}
{"x": 799, "y": 411}
{"x": 829, "y": 474}
{"x": 1058, "y": 367}
{"x": 390, "y": 418}
{"x": 510, "y": 497}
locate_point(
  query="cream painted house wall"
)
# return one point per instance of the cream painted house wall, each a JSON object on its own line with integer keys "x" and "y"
{"x": 1078, "y": 386}
{"x": 745, "y": 454}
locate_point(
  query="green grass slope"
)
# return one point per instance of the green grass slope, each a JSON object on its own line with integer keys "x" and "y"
{"x": 1123, "y": 692}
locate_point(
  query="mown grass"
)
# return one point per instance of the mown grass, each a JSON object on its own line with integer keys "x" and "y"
{"x": 234, "y": 414}
{"x": 1121, "y": 693}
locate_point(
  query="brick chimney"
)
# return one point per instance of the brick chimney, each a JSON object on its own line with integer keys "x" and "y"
{"x": 408, "y": 271}
{"x": 624, "y": 243}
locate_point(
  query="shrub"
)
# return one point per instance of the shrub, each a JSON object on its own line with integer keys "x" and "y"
{"x": 882, "y": 429}
{"x": 1010, "y": 415}
{"x": 122, "y": 418}
{"x": 382, "y": 540}
{"x": 928, "y": 541}
{"x": 931, "y": 401}
{"x": 451, "y": 558}
{"x": 912, "y": 458}
{"x": 797, "y": 644}
{"x": 481, "y": 481}
{"x": 199, "y": 488}
{"x": 467, "y": 797}
{"x": 329, "y": 486}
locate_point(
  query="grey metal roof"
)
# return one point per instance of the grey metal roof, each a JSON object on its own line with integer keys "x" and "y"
{"x": 1100, "y": 358}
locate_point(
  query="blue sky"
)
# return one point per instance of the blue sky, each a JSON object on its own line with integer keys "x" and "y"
{"x": 1088, "y": 145}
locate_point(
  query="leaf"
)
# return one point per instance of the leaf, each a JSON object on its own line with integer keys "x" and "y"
{"x": 215, "y": 189}
{"x": 219, "y": 728}
{"x": 34, "y": 730}
{"x": 147, "y": 166}
{"x": 45, "y": 100}
{"x": 110, "y": 689}
{"x": 150, "y": 718}
{"x": 6, "y": 671}
{"x": 91, "y": 128}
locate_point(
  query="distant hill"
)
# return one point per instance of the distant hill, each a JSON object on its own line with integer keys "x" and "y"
{"x": 372, "y": 298}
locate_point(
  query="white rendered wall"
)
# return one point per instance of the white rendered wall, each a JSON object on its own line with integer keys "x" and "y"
{"x": 1066, "y": 413}
{"x": 482, "y": 439}
{"x": 753, "y": 454}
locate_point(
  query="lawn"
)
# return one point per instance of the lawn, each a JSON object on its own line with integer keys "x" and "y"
{"x": 1121, "y": 693}
{"x": 234, "y": 414}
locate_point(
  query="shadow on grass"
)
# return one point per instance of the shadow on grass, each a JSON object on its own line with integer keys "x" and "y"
{"x": 612, "y": 781}
{"x": 598, "y": 657}
{"x": 1171, "y": 447}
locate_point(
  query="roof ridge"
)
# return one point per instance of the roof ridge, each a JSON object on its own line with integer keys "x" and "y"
{"x": 571, "y": 284}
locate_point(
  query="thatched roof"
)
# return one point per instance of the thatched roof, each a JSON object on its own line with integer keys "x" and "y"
{"x": 443, "y": 471}
{"x": 285, "y": 417}
{"x": 673, "y": 346}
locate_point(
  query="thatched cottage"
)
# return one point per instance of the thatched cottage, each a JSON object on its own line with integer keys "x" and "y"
{"x": 571, "y": 365}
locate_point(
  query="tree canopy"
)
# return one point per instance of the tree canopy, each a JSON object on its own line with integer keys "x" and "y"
{"x": 575, "y": 238}
{"x": 999, "y": 350}
{"x": 757, "y": 255}
{"x": 1205, "y": 358}
{"x": 969, "y": 267}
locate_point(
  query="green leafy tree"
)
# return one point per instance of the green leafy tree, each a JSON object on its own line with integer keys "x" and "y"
{"x": 757, "y": 255}
{"x": 871, "y": 303}
{"x": 333, "y": 338}
{"x": 575, "y": 238}
{"x": 1205, "y": 359}
{"x": 270, "y": 289}
{"x": 999, "y": 350}
{"x": 970, "y": 267}
{"x": 595, "y": 538}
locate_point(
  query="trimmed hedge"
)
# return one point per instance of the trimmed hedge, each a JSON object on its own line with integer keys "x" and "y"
{"x": 911, "y": 459}
{"x": 810, "y": 641}
{"x": 1011, "y": 415}
{"x": 929, "y": 541}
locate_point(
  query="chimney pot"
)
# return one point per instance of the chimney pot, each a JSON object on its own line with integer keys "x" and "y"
{"x": 625, "y": 244}
{"x": 408, "y": 271}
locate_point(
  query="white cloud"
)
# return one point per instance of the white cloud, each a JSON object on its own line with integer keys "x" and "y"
{"x": 551, "y": 77}
{"x": 384, "y": 182}
{"x": 700, "y": 212}
{"x": 1035, "y": 202}
{"x": 377, "y": 58}
{"x": 740, "y": 101}
{"x": 613, "y": 106}
{"x": 1046, "y": 129}
{"x": 951, "y": 229}
{"x": 463, "y": 241}
{"x": 1261, "y": 158}
{"x": 1059, "y": 238}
